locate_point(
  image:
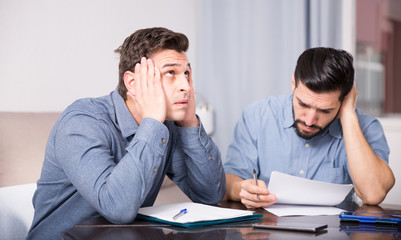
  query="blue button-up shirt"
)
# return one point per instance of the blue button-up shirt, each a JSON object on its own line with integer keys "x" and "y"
{"x": 98, "y": 161}
{"x": 265, "y": 140}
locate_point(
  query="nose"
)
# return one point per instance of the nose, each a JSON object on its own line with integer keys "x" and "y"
{"x": 183, "y": 83}
{"x": 311, "y": 117}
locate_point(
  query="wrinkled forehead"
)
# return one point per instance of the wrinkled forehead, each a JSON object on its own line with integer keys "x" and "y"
{"x": 325, "y": 100}
{"x": 168, "y": 57}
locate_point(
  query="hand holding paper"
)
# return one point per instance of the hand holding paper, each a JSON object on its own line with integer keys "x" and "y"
{"x": 312, "y": 197}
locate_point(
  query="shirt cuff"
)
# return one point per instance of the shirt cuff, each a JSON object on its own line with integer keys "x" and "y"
{"x": 193, "y": 137}
{"x": 154, "y": 133}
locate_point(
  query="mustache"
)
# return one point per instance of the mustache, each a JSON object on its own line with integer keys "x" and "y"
{"x": 312, "y": 126}
{"x": 181, "y": 96}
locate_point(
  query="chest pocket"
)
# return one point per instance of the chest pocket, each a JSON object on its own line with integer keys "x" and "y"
{"x": 333, "y": 167}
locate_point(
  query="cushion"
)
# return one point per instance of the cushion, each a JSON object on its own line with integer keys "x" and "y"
{"x": 16, "y": 210}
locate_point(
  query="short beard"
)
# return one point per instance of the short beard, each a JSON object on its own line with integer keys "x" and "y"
{"x": 303, "y": 135}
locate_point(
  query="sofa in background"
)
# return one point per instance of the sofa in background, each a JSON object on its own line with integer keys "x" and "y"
{"x": 23, "y": 138}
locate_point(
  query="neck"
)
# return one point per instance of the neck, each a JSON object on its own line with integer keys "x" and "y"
{"x": 131, "y": 107}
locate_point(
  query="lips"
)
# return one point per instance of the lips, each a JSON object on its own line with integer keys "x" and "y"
{"x": 182, "y": 101}
{"x": 306, "y": 128}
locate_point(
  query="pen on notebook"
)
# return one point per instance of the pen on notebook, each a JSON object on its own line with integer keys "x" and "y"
{"x": 256, "y": 181}
{"x": 182, "y": 212}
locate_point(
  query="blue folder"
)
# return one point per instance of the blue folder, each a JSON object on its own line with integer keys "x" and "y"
{"x": 200, "y": 223}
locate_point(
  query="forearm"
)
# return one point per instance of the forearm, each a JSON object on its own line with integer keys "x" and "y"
{"x": 233, "y": 187}
{"x": 198, "y": 168}
{"x": 372, "y": 176}
{"x": 115, "y": 189}
{"x": 206, "y": 182}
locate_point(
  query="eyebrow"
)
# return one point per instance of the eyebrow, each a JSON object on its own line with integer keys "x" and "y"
{"x": 175, "y": 65}
{"x": 320, "y": 109}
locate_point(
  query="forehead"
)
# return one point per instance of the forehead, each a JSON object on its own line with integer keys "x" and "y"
{"x": 319, "y": 100}
{"x": 169, "y": 57}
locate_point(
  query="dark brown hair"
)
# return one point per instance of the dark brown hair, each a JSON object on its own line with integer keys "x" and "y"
{"x": 325, "y": 70}
{"x": 144, "y": 43}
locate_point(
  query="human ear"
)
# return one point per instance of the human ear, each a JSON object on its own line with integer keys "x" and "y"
{"x": 129, "y": 81}
{"x": 292, "y": 83}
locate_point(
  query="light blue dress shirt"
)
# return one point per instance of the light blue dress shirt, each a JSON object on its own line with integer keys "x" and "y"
{"x": 98, "y": 161}
{"x": 265, "y": 140}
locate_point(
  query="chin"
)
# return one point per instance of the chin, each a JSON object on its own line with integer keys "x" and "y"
{"x": 176, "y": 117}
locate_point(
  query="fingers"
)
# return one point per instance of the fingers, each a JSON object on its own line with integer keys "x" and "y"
{"x": 151, "y": 74}
{"x": 148, "y": 75}
{"x": 149, "y": 95}
{"x": 144, "y": 74}
{"x": 157, "y": 78}
{"x": 254, "y": 196}
{"x": 190, "y": 79}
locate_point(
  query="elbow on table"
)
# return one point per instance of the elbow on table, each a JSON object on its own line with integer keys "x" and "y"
{"x": 375, "y": 195}
{"x": 120, "y": 215}
{"x": 374, "y": 198}
{"x": 210, "y": 197}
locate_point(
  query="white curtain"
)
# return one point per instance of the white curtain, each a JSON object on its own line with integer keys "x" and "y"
{"x": 248, "y": 50}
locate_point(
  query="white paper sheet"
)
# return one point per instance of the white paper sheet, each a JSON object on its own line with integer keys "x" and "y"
{"x": 196, "y": 212}
{"x": 295, "y": 190}
{"x": 303, "y": 210}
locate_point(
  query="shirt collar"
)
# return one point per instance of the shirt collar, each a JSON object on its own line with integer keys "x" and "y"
{"x": 125, "y": 120}
{"x": 288, "y": 113}
{"x": 334, "y": 129}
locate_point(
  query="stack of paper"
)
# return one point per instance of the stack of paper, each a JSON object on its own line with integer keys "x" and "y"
{"x": 197, "y": 214}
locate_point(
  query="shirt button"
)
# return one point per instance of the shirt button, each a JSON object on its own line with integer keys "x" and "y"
{"x": 211, "y": 157}
{"x": 163, "y": 140}
{"x": 201, "y": 133}
{"x": 301, "y": 172}
{"x": 154, "y": 170}
{"x": 307, "y": 145}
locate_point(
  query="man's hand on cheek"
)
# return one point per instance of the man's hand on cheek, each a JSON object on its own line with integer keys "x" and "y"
{"x": 149, "y": 95}
{"x": 190, "y": 119}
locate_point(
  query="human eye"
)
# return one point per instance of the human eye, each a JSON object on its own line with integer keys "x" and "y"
{"x": 186, "y": 74}
{"x": 169, "y": 73}
{"x": 325, "y": 111}
{"x": 302, "y": 104}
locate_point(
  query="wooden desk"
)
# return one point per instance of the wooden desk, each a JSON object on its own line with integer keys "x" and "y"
{"x": 100, "y": 228}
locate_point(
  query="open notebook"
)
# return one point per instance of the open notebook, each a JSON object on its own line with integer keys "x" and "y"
{"x": 197, "y": 214}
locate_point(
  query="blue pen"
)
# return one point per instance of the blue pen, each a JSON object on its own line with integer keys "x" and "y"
{"x": 182, "y": 212}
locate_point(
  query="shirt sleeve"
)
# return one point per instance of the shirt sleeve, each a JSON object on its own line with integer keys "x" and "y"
{"x": 115, "y": 188}
{"x": 242, "y": 153}
{"x": 196, "y": 166}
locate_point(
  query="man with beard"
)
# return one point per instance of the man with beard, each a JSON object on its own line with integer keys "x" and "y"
{"x": 315, "y": 133}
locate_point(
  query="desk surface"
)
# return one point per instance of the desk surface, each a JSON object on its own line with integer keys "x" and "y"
{"x": 100, "y": 228}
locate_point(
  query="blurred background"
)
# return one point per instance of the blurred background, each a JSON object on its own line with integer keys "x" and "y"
{"x": 53, "y": 52}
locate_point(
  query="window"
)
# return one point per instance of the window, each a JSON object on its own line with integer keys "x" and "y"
{"x": 378, "y": 56}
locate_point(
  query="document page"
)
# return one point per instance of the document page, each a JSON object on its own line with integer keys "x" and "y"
{"x": 301, "y": 210}
{"x": 296, "y": 190}
{"x": 194, "y": 212}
